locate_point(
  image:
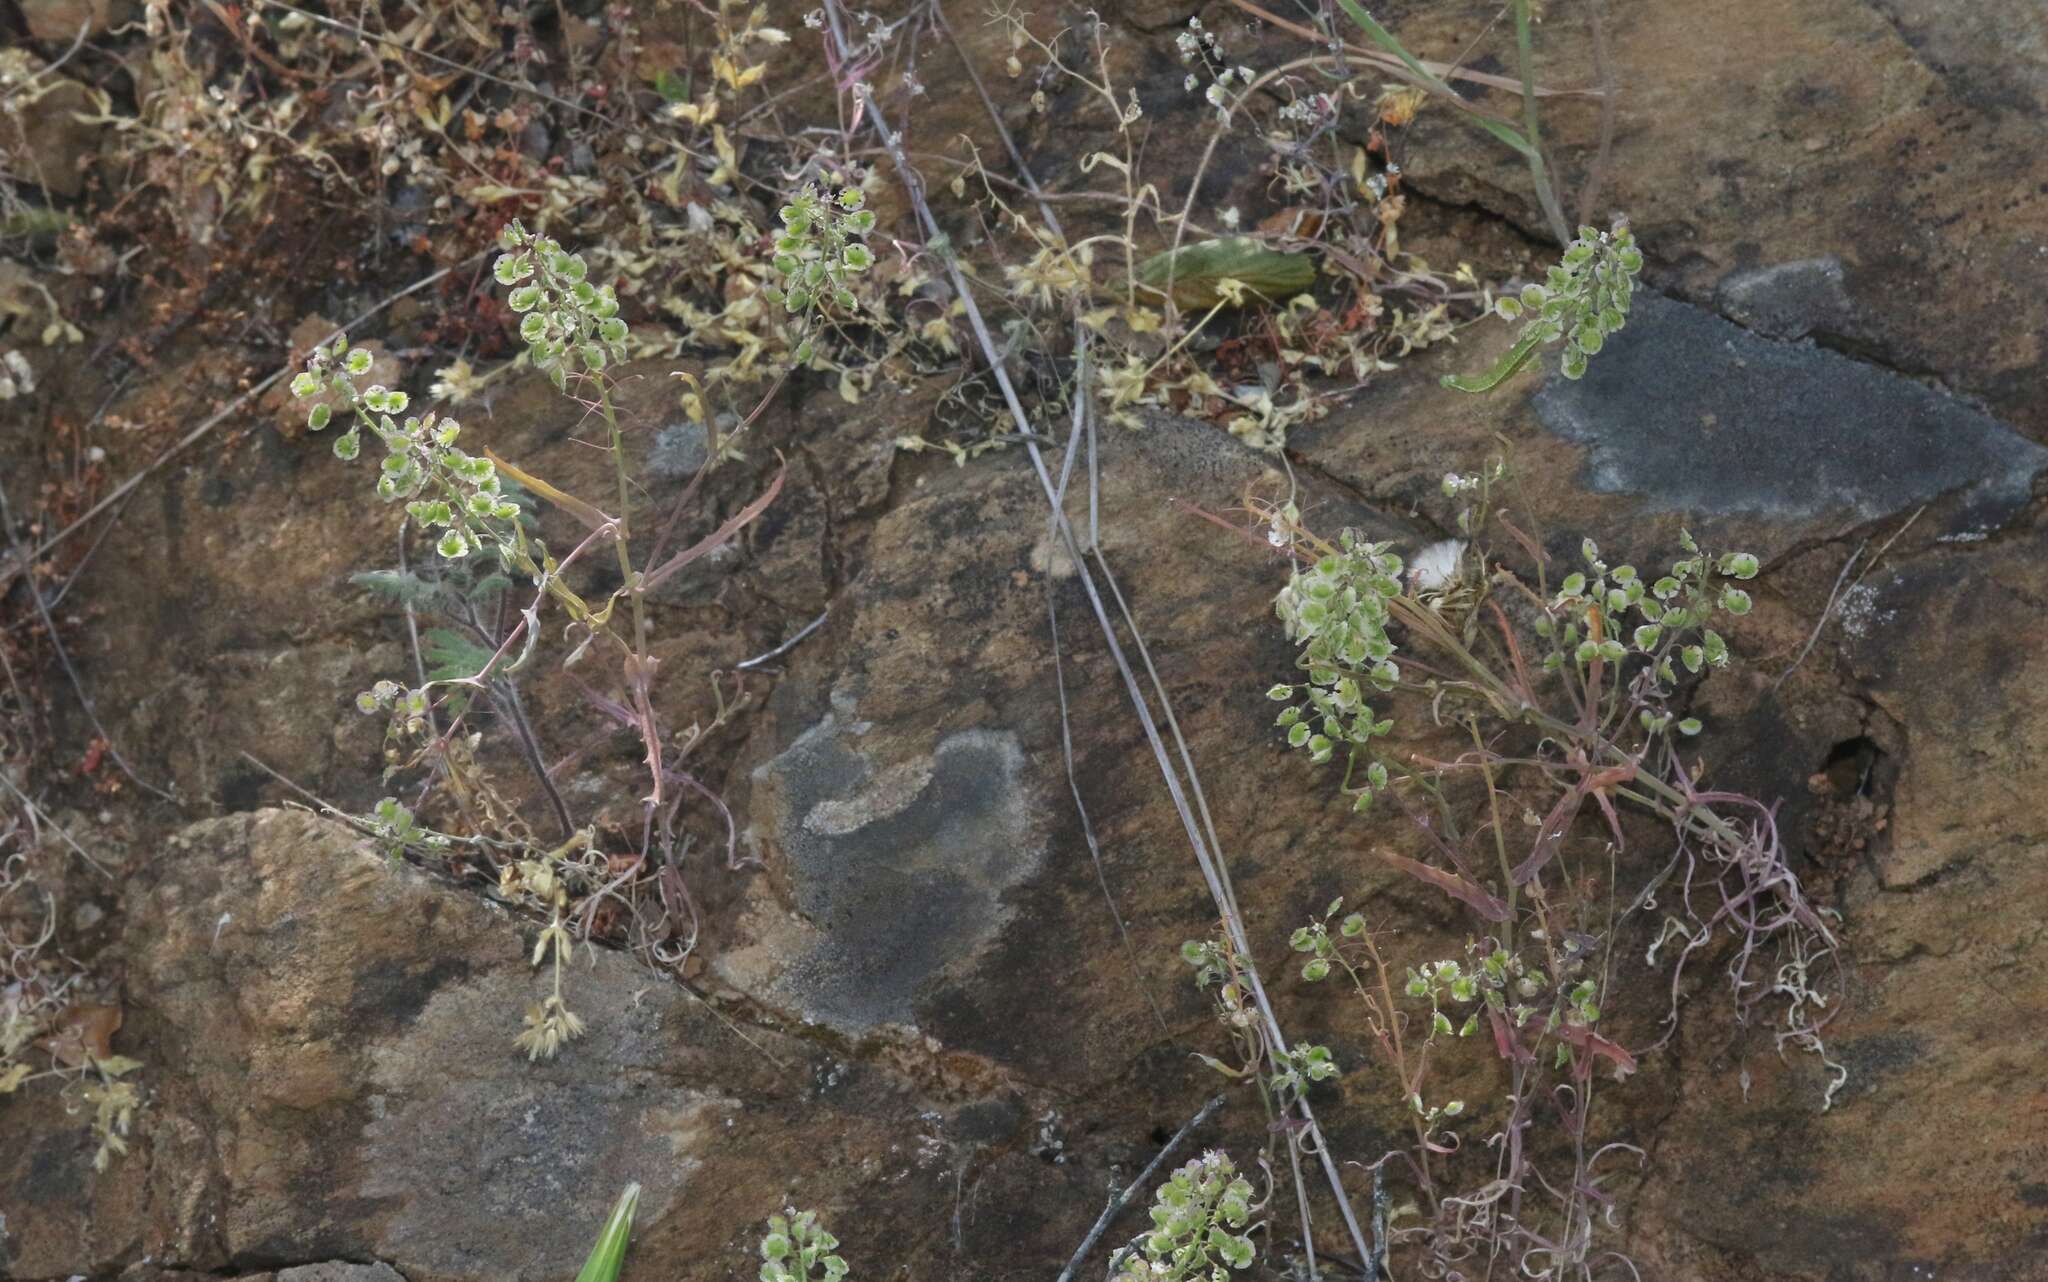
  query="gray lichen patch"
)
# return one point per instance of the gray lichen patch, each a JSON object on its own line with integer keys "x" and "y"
{"x": 1789, "y": 300}
{"x": 518, "y": 1149}
{"x": 1697, "y": 415}
{"x": 898, "y": 868}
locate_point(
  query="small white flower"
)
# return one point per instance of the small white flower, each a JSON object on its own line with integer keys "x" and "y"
{"x": 18, "y": 378}
{"x": 1436, "y": 566}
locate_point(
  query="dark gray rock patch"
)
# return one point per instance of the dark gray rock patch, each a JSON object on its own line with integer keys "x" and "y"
{"x": 900, "y": 866}
{"x": 342, "y": 1272}
{"x": 1695, "y": 414}
{"x": 1789, "y": 300}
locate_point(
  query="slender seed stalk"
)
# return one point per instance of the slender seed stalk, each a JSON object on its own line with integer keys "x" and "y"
{"x": 626, "y": 577}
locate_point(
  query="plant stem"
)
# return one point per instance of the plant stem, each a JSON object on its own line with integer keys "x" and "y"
{"x": 1500, "y": 843}
{"x": 507, "y": 695}
{"x": 632, "y": 590}
{"x": 1539, "y": 171}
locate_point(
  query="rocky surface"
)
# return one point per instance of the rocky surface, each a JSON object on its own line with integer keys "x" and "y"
{"x": 929, "y": 1008}
{"x": 1889, "y": 137}
{"x": 333, "y": 1078}
{"x": 1696, "y": 415}
{"x": 41, "y": 134}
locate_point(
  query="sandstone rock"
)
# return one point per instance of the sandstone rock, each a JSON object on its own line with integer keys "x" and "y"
{"x": 329, "y": 1054}
{"x": 62, "y": 21}
{"x": 928, "y": 1022}
{"x": 341, "y": 1273}
{"x": 46, "y": 143}
{"x": 1891, "y": 137}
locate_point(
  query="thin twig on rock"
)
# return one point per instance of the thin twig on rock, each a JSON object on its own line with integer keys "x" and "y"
{"x": 1123, "y": 1200}
{"x": 1207, "y": 848}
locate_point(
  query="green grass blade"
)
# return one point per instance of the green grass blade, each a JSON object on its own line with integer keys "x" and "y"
{"x": 1385, "y": 40}
{"x": 1506, "y": 133}
{"x": 610, "y": 1251}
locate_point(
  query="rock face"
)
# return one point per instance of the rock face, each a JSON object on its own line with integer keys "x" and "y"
{"x": 340, "y": 1273}
{"x": 895, "y": 872}
{"x": 1885, "y": 138}
{"x": 1697, "y": 415}
{"x": 315, "y": 1036}
{"x": 63, "y": 21}
{"x": 938, "y": 1012}
{"x": 329, "y": 1052}
{"x": 46, "y": 142}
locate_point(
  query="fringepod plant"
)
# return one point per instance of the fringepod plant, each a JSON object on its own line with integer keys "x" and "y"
{"x": 472, "y": 507}
{"x": 1582, "y": 301}
{"x": 1574, "y": 699}
{"x": 1570, "y": 702}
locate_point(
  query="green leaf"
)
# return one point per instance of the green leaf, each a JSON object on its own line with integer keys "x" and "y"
{"x": 609, "y": 1252}
{"x": 1385, "y": 39}
{"x": 1197, "y": 270}
{"x": 1511, "y": 361}
{"x": 450, "y": 656}
{"x": 671, "y": 87}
